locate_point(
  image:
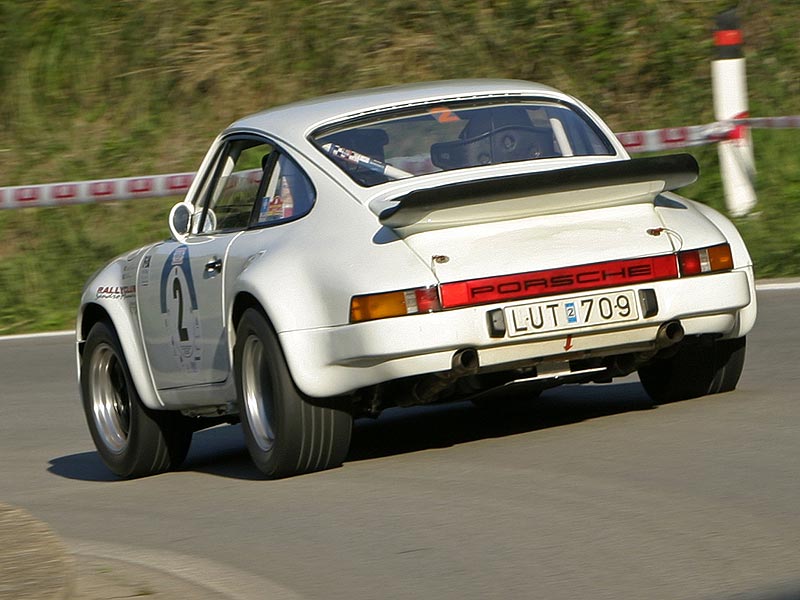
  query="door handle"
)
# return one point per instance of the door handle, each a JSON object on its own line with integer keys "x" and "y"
{"x": 214, "y": 266}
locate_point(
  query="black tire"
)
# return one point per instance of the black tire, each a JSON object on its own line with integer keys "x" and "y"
{"x": 285, "y": 433}
{"x": 698, "y": 368}
{"x": 132, "y": 439}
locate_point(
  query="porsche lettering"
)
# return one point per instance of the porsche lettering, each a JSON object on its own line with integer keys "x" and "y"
{"x": 537, "y": 284}
{"x": 559, "y": 281}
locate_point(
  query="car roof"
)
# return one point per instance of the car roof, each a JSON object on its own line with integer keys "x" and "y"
{"x": 293, "y": 122}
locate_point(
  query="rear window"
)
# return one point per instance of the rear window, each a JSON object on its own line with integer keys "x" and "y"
{"x": 444, "y": 137}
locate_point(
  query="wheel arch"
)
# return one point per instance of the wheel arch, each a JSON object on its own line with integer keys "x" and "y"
{"x": 241, "y": 302}
{"x": 90, "y": 315}
{"x": 742, "y": 261}
{"x": 126, "y": 328}
{"x": 245, "y": 300}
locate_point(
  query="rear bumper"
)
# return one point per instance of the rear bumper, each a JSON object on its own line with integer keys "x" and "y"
{"x": 336, "y": 360}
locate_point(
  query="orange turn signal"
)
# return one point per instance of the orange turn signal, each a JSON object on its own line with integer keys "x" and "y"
{"x": 720, "y": 257}
{"x": 394, "y": 304}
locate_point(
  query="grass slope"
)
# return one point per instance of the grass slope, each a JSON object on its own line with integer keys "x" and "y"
{"x": 104, "y": 89}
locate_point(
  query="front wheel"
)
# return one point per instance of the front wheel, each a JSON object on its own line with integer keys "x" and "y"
{"x": 286, "y": 434}
{"x": 698, "y": 368}
{"x": 131, "y": 439}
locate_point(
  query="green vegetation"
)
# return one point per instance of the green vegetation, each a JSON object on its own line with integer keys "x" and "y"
{"x": 129, "y": 87}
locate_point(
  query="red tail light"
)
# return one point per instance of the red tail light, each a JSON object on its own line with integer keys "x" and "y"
{"x": 705, "y": 260}
{"x": 427, "y": 299}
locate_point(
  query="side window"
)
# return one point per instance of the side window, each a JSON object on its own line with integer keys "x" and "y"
{"x": 288, "y": 194}
{"x": 235, "y": 186}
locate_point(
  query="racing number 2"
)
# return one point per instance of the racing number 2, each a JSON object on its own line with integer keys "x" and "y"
{"x": 177, "y": 293}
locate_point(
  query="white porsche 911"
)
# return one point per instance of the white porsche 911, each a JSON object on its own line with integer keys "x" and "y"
{"x": 403, "y": 246}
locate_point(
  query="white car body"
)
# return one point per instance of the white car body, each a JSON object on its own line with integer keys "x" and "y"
{"x": 175, "y": 304}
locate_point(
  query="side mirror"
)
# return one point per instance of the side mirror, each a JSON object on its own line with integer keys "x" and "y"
{"x": 180, "y": 218}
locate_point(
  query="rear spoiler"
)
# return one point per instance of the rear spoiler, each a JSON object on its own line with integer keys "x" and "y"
{"x": 530, "y": 194}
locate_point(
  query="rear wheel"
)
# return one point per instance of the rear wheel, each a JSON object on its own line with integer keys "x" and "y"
{"x": 707, "y": 366}
{"x": 285, "y": 433}
{"x": 131, "y": 439}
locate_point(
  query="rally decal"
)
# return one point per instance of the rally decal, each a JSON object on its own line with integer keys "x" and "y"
{"x": 179, "y": 307}
{"x": 144, "y": 271}
{"x": 115, "y": 292}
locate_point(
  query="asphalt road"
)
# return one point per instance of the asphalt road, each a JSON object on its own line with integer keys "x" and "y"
{"x": 588, "y": 492}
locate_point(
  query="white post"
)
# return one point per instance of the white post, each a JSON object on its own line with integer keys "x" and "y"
{"x": 729, "y": 84}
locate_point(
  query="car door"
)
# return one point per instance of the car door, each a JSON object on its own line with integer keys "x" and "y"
{"x": 182, "y": 295}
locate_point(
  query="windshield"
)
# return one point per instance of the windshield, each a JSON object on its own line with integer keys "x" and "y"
{"x": 407, "y": 143}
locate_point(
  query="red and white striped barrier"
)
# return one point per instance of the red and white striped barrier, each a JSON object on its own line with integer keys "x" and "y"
{"x": 176, "y": 184}
{"x": 670, "y": 138}
{"x": 101, "y": 190}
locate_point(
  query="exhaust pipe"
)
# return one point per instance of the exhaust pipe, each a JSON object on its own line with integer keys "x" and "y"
{"x": 669, "y": 334}
{"x": 464, "y": 362}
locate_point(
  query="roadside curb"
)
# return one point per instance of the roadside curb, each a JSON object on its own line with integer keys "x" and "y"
{"x": 34, "y": 563}
{"x": 781, "y": 284}
{"x": 37, "y": 564}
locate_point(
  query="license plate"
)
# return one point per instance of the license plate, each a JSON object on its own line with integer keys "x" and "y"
{"x": 582, "y": 311}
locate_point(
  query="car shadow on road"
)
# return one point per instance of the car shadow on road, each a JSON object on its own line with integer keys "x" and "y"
{"x": 221, "y": 451}
{"x": 217, "y": 451}
{"x": 85, "y": 466}
{"x": 511, "y": 411}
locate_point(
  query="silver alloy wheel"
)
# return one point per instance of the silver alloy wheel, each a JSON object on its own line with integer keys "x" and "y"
{"x": 110, "y": 398}
{"x": 256, "y": 400}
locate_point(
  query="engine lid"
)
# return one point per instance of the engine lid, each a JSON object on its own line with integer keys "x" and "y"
{"x": 545, "y": 242}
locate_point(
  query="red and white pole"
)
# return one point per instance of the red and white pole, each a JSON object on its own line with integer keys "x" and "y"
{"x": 729, "y": 84}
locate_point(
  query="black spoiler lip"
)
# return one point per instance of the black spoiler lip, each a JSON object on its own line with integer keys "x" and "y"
{"x": 675, "y": 170}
